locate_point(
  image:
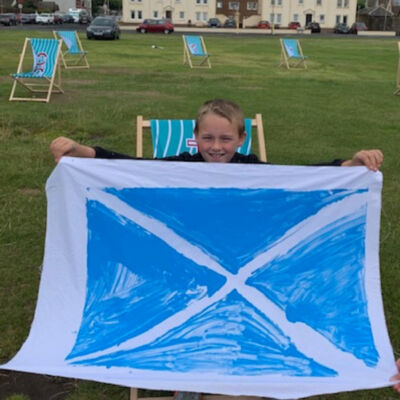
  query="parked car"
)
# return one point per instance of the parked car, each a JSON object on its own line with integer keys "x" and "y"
{"x": 27, "y": 18}
{"x": 103, "y": 27}
{"x": 8, "y": 19}
{"x": 67, "y": 19}
{"x": 57, "y": 18}
{"x": 45, "y": 18}
{"x": 358, "y": 26}
{"x": 314, "y": 27}
{"x": 84, "y": 17}
{"x": 294, "y": 25}
{"x": 341, "y": 28}
{"x": 263, "y": 25}
{"x": 214, "y": 22}
{"x": 230, "y": 23}
{"x": 156, "y": 25}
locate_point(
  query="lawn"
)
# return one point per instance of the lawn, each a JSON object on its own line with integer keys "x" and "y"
{"x": 342, "y": 103}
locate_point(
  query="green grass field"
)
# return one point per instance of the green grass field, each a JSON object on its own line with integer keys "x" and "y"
{"x": 342, "y": 103}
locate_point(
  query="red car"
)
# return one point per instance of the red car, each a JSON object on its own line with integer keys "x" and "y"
{"x": 294, "y": 25}
{"x": 264, "y": 25}
{"x": 155, "y": 25}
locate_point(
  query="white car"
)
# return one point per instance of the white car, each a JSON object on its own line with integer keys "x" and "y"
{"x": 45, "y": 18}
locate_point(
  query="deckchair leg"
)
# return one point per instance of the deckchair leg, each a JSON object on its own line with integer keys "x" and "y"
{"x": 133, "y": 394}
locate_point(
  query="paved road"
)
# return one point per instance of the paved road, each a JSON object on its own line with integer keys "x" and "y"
{"x": 204, "y": 31}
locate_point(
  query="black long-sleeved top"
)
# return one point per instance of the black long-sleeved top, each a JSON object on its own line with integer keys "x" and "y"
{"x": 197, "y": 157}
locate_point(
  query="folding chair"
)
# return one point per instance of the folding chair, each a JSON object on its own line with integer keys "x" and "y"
{"x": 195, "y": 52}
{"x": 398, "y": 73}
{"x": 172, "y": 137}
{"x": 45, "y": 76}
{"x": 292, "y": 54}
{"x": 73, "y": 56}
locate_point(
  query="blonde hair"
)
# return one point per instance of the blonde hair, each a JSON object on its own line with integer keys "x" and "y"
{"x": 224, "y": 108}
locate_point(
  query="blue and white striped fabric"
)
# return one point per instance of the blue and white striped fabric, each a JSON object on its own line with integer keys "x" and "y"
{"x": 195, "y": 45}
{"x": 69, "y": 38}
{"x": 172, "y": 137}
{"x": 291, "y": 48}
{"x": 44, "y": 59}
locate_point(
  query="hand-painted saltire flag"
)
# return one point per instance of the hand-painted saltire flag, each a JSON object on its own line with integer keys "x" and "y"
{"x": 236, "y": 279}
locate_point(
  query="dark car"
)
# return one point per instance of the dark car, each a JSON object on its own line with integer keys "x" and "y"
{"x": 294, "y": 25}
{"x": 103, "y": 27}
{"x": 214, "y": 23}
{"x": 314, "y": 27}
{"x": 58, "y": 18}
{"x": 67, "y": 19}
{"x": 8, "y": 19}
{"x": 342, "y": 28}
{"x": 84, "y": 18}
{"x": 264, "y": 25}
{"x": 358, "y": 26}
{"x": 27, "y": 18}
{"x": 230, "y": 23}
{"x": 156, "y": 26}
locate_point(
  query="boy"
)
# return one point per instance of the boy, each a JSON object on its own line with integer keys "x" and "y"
{"x": 219, "y": 130}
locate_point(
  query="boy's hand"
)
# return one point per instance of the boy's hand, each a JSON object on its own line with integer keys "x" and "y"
{"x": 372, "y": 159}
{"x": 63, "y": 146}
{"x": 397, "y": 377}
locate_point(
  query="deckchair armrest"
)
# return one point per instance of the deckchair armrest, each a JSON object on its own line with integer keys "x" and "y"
{"x": 140, "y": 124}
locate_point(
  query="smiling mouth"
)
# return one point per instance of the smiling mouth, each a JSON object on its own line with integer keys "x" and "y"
{"x": 216, "y": 156}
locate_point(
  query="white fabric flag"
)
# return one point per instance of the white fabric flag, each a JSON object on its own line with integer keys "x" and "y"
{"x": 235, "y": 279}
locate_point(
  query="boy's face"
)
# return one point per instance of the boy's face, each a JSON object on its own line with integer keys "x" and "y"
{"x": 217, "y": 139}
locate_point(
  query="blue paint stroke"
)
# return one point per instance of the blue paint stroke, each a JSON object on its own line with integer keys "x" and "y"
{"x": 230, "y": 336}
{"x": 321, "y": 282}
{"x": 135, "y": 281}
{"x": 232, "y": 225}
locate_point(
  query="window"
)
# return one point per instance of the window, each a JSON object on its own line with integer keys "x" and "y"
{"x": 278, "y": 18}
{"x": 205, "y": 16}
{"x": 338, "y": 19}
{"x": 272, "y": 18}
{"x": 139, "y": 14}
{"x": 345, "y": 19}
{"x": 319, "y": 2}
{"x": 234, "y": 5}
{"x": 339, "y": 4}
{"x": 205, "y": 1}
{"x": 279, "y": 2}
{"x": 219, "y": 4}
{"x": 346, "y": 3}
{"x": 155, "y": 14}
{"x": 198, "y": 16}
{"x": 132, "y": 14}
{"x": 181, "y": 15}
{"x": 198, "y": 1}
{"x": 252, "y": 5}
{"x": 296, "y": 17}
{"x": 301, "y": 2}
{"x": 272, "y": 2}
{"x": 322, "y": 19}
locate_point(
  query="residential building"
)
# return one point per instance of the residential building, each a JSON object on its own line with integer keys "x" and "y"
{"x": 327, "y": 13}
{"x": 180, "y": 12}
{"x": 249, "y": 12}
{"x": 65, "y": 5}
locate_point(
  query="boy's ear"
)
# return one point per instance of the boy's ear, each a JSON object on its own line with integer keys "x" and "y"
{"x": 242, "y": 137}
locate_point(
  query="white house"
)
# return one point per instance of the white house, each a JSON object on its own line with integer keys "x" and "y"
{"x": 326, "y": 12}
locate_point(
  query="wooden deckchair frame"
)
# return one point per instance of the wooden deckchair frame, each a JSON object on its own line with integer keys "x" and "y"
{"x": 255, "y": 122}
{"x": 290, "y": 62}
{"x": 79, "y": 60}
{"x": 203, "y": 60}
{"x": 397, "y": 92}
{"x": 52, "y": 85}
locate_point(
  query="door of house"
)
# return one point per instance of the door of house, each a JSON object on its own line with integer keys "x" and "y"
{"x": 168, "y": 14}
{"x": 308, "y": 19}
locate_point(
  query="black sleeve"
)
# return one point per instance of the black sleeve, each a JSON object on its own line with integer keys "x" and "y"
{"x": 335, "y": 163}
{"x": 103, "y": 153}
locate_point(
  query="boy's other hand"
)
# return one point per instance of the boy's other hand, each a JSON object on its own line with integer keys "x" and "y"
{"x": 372, "y": 159}
{"x": 397, "y": 377}
{"x": 63, "y": 146}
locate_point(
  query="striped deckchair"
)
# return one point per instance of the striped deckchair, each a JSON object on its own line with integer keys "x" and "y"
{"x": 72, "y": 54}
{"x": 292, "y": 54}
{"x": 398, "y": 73}
{"x": 195, "y": 52}
{"x": 172, "y": 137}
{"x": 45, "y": 76}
